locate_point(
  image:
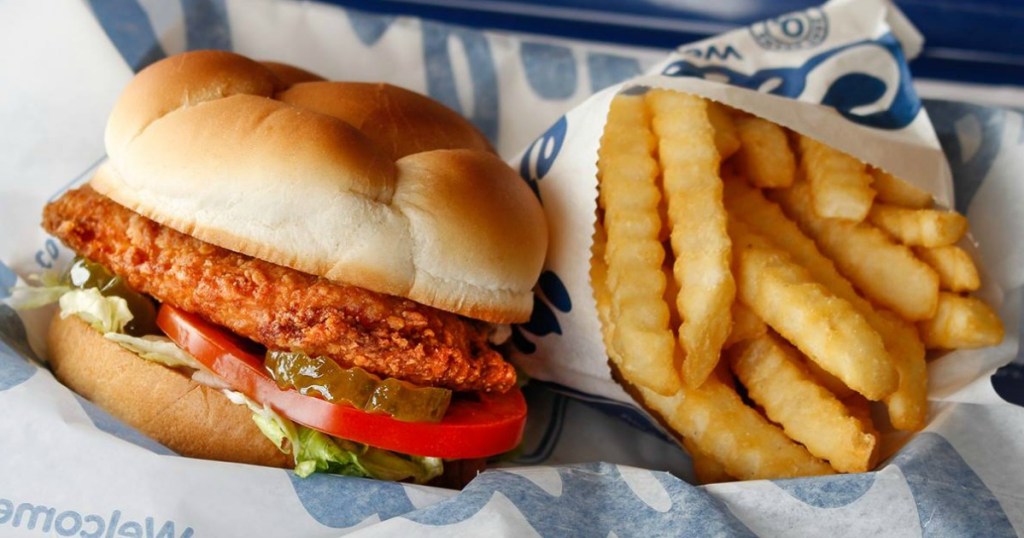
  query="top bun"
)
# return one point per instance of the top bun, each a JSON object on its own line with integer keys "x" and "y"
{"x": 363, "y": 184}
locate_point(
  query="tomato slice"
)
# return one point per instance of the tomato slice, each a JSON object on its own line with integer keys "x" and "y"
{"x": 474, "y": 427}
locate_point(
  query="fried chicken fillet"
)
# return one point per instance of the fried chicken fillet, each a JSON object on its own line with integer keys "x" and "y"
{"x": 278, "y": 307}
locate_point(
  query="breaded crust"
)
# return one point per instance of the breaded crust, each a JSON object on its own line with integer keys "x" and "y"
{"x": 280, "y": 307}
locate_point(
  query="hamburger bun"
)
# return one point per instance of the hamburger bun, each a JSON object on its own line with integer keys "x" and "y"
{"x": 363, "y": 184}
{"x": 191, "y": 419}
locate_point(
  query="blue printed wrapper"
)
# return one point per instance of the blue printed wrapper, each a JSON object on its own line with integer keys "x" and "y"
{"x": 591, "y": 464}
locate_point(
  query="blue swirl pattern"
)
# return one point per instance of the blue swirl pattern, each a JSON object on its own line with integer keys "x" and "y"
{"x": 595, "y": 499}
{"x": 846, "y": 93}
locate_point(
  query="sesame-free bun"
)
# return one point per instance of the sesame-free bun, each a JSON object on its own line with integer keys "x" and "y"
{"x": 162, "y": 403}
{"x": 364, "y": 184}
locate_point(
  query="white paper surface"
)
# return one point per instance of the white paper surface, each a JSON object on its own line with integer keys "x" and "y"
{"x": 66, "y": 466}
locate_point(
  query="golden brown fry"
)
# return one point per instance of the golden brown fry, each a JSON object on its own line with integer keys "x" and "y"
{"x": 717, "y": 421}
{"x": 894, "y": 191}
{"x": 826, "y": 328}
{"x": 827, "y": 380}
{"x": 764, "y": 157}
{"x": 641, "y": 337}
{"x": 727, "y": 140}
{"x": 886, "y": 272}
{"x": 840, "y": 185}
{"x": 705, "y": 467}
{"x": 807, "y": 411}
{"x": 860, "y": 408}
{"x": 961, "y": 322}
{"x": 745, "y": 325}
{"x": 699, "y": 238}
{"x": 908, "y": 405}
{"x": 919, "y": 227}
{"x": 955, "y": 267}
{"x": 599, "y": 283}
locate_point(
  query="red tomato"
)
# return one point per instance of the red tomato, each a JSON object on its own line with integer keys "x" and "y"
{"x": 476, "y": 427}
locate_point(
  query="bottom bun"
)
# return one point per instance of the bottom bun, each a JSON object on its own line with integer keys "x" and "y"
{"x": 162, "y": 403}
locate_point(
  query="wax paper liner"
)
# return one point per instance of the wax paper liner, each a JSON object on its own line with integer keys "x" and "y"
{"x": 68, "y": 468}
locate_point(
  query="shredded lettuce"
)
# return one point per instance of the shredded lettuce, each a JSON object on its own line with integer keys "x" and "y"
{"x": 105, "y": 314}
{"x": 319, "y": 452}
{"x": 157, "y": 349}
{"x": 281, "y": 431}
{"x": 47, "y": 292}
{"x": 314, "y": 451}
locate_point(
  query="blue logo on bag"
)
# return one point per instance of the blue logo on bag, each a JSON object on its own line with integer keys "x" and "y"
{"x": 534, "y": 165}
{"x": 846, "y": 93}
{"x": 540, "y": 156}
{"x": 543, "y": 320}
{"x": 800, "y": 30}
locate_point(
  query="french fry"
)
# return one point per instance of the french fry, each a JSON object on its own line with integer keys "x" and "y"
{"x": 826, "y": 328}
{"x": 822, "y": 264}
{"x": 840, "y": 185}
{"x": 919, "y": 227}
{"x": 764, "y": 157}
{"x": 699, "y": 238}
{"x": 641, "y": 337}
{"x": 727, "y": 140}
{"x": 705, "y": 467}
{"x": 860, "y": 408}
{"x": 827, "y": 380}
{"x": 954, "y": 266}
{"x": 908, "y": 405}
{"x": 599, "y": 284}
{"x": 717, "y": 421}
{"x": 745, "y": 325}
{"x": 886, "y": 272}
{"x": 892, "y": 190}
{"x": 961, "y": 322}
{"x": 808, "y": 412}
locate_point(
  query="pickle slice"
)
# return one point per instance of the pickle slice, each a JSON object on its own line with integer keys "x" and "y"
{"x": 84, "y": 273}
{"x": 324, "y": 378}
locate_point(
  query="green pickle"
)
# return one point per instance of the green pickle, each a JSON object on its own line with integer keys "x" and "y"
{"x": 84, "y": 273}
{"x": 327, "y": 379}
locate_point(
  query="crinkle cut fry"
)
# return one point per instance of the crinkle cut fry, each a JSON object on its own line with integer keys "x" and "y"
{"x": 279, "y": 307}
{"x": 826, "y": 328}
{"x": 776, "y": 380}
{"x": 908, "y": 406}
{"x": 700, "y": 240}
{"x": 718, "y": 422}
{"x": 628, "y": 195}
{"x": 884, "y": 271}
